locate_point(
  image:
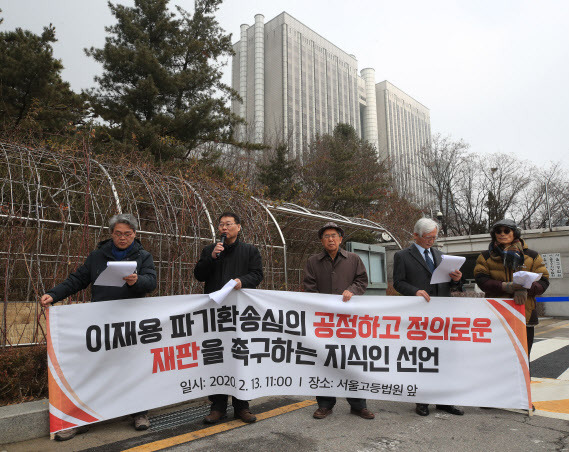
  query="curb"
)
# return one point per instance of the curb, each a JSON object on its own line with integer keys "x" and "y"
{"x": 24, "y": 421}
{"x": 30, "y": 420}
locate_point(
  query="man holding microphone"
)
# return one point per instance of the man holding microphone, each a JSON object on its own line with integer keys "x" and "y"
{"x": 220, "y": 262}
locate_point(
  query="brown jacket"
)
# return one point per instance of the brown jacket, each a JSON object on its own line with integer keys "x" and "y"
{"x": 347, "y": 272}
{"x": 489, "y": 273}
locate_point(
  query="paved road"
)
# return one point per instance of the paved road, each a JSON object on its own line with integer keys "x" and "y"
{"x": 287, "y": 423}
{"x": 397, "y": 428}
{"x": 550, "y": 368}
{"x": 550, "y": 353}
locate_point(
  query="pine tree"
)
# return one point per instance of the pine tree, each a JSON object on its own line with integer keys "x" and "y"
{"x": 161, "y": 88}
{"x": 343, "y": 173}
{"x": 33, "y": 97}
{"x": 279, "y": 176}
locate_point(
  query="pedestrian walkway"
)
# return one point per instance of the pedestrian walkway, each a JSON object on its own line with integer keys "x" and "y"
{"x": 550, "y": 368}
{"x": 550, "y": 397}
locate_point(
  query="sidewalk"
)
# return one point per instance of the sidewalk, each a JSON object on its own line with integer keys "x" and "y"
{"x": 551, "y": 395}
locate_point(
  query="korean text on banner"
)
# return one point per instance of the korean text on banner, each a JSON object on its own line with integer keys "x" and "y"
{"x": 113, "y": 358}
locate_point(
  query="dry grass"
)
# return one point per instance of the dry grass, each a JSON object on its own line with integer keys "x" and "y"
{"x": 21, "y": 322}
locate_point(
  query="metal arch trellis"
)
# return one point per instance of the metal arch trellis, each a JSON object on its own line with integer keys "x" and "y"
{"x": 324, "y": 215}
{"x": 113, "y": 188}
{"x": 54, "y": 207}
{"x": 275, "y": 222}
{"x": 299, "y": 225}
{"x": 212, "y": 228}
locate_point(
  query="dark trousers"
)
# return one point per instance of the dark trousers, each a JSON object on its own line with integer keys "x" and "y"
{"x": 219, "y": 403}
{"x": 329, "y": 402}
{"x": 529, "y": 333}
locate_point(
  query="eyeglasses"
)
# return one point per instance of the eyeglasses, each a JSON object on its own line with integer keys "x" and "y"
{"x": 225, "y": 225}
{"x": 330, "y": 236}
{"x": 429, "y": 237}
{"x": 126, "y": 234}
{"x": 505, "y": 230}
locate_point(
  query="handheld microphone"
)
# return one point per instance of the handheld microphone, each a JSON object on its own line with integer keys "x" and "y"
{"x": 222, "y": 240}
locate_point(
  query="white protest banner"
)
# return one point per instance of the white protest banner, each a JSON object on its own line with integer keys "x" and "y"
{"x": 113, "y": 358}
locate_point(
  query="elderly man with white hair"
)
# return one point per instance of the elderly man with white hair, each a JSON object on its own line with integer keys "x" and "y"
{"x": 413, "y": 268}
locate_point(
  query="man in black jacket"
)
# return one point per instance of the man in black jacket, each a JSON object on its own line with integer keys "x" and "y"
{"x": 219, "y": 263}
{"x": 413, "y": 269}
{"x": 122, "y": 246}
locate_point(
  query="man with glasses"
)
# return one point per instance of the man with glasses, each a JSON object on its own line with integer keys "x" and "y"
{"x": 122, "y": 246}
{"x": 336, "y": 271}
{"x": 413, "y": 268}
{"x": 219, "y": 263}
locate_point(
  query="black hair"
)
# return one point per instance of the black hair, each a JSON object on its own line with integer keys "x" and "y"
{"x": 230, "y": 214}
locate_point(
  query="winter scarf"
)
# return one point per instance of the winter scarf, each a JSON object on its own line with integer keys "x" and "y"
{"x": 512, "y": 255}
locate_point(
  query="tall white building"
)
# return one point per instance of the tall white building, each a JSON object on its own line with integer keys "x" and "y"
{"x": 295, "y": 85}
{"x": 403, "y": 127}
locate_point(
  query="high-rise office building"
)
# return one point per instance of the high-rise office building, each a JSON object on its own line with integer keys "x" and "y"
{"x": 403, "y": 127}
{"x": 295, "y": 84}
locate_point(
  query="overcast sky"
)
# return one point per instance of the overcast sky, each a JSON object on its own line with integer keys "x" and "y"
{"x": 492, "y": 72}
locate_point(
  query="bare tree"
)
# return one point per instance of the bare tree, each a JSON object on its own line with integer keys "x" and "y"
{"x": 505, "y": 178}
{"x": 443, "y": 161}
{"x": 532, "y": 208}
{"x": 469, "y": 208}
{"x": 473, "y": 192}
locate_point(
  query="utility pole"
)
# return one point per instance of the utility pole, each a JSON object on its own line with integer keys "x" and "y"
{"x": 547, "y": 204}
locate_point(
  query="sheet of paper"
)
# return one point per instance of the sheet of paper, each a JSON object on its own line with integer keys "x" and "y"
{"x": 526, "y": 278}
{"x": 220, "y": 295}
{"x": 114, "y": 273}
{"x": 448, "y": 265}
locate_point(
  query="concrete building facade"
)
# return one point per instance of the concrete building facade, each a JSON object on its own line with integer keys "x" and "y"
{"x": 404, "y": 127}
{"x": 295, "y": 85}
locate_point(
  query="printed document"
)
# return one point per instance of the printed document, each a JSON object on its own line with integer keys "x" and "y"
{"x": 526, "y": 278}
{"x": 220, "y": 295}
{"x": 448, "y": 265}
{"x": 114, "y": 273}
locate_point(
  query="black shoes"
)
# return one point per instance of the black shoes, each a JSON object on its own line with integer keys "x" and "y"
{"x": 451, "y": 409}
{"x": 422, "y": 409}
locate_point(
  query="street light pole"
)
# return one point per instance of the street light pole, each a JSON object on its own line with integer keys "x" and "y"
{"x": 492, "y": 201}
{"x": 440, "y": 218}
{"x": 547, "y": 204}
